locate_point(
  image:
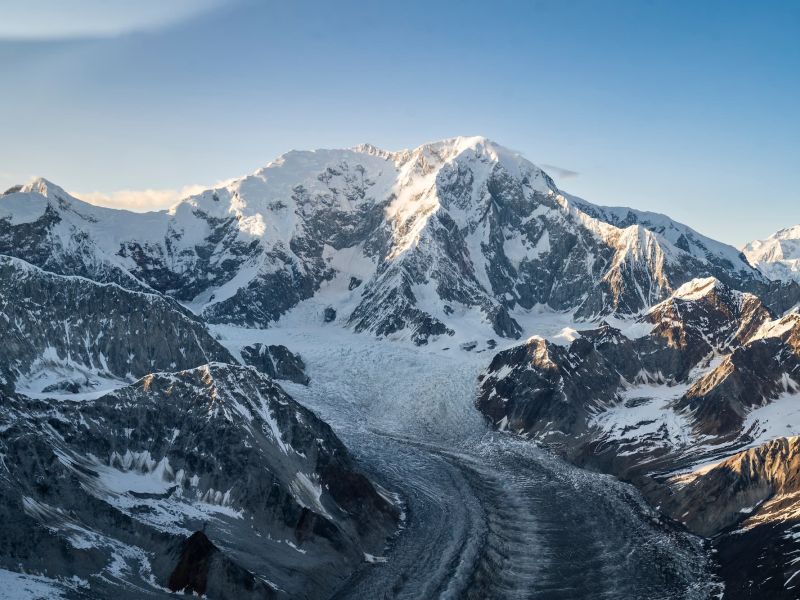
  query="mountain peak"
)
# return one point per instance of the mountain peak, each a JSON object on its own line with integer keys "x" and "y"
{"x": 44, "y": 187}
{"x": 25, "y": 203}
{"x": 789, "y": 233}
{"x": 698, "y": 288}
{"x": 778, "y": 256}
{"x": 711, "y": 289}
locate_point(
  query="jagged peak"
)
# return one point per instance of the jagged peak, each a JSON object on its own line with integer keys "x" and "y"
{"x": 703, "y": 287}
{"x": 711, "y": 289}
{"x": 470, "y": 148}
{"x": 788, "y": 233}
{"x": 415, "y": 168}
{"x": 372, "y": 151}
{"x": 44, "y": 187}
{"x": 779, "y": 246}
{"x": 778, "y": 256}
{"x": 698, "y": 288}
{"x": 788, "y": 324}
{"x": 28, "y": 202}
{"x": 213, "y": 376}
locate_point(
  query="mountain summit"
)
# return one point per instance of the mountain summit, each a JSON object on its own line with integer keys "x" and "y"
{"x": 456, "y": 235}
{"x": 778, "y": 256}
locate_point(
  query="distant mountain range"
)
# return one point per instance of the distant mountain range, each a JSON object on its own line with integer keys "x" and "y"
{"x": 778, "y": 256}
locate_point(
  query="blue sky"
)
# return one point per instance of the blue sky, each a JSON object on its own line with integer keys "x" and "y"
{"x": 686, "y": 108}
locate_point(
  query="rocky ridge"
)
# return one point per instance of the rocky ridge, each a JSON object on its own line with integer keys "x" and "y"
{"x": 72, "y": 334}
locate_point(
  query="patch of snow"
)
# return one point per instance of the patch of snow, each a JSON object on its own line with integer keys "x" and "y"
{"x": 778, "y": 418}
{"x": 646, "y": 417}
{"x": 19, "y": 586}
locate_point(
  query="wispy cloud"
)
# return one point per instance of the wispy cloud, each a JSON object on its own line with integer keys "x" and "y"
{"x": 42, "y": 20}
{"x": 9, "y": 178}
{"x": 560, "y": 172}
{"x": 140, "y": 200}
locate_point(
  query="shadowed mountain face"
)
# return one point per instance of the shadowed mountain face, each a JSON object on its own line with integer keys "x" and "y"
{"x": 68, "y": 333}
{"x": 108, "y": 489}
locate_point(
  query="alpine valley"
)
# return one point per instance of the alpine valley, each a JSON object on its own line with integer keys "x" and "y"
{"x": 417, "y": 374}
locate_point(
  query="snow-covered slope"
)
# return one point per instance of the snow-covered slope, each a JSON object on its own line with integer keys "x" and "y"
{"x": 778, "y": 256}
{"x": 461, "y": 234}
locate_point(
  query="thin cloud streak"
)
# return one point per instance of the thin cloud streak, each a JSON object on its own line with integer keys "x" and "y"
{"x": 560, "y": 172}
{"x": 141, "y": 200}
{"x": 48, "y": 20}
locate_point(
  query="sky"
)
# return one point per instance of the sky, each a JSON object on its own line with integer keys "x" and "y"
{"x": 687, "y": 108}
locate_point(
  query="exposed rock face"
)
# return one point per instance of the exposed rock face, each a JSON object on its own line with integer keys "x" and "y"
{"x": 276, "y": 361}
{"x": 748, "y": 503}
{"x": 462, "y": 223}
{"x": 756, "y": 372}
{"x": 706, "y": 316}
{"x": 123, "y": 479}
{"x": 203, "y": 570}
{"x": 79, "y": 330}
{"x": 543, "y": 386}
{"x": 750, "y": 487}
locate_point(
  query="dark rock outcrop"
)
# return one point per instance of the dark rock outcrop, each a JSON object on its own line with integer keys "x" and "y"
{"x": 203, "y": 570}
{"x": 276, "y": 361}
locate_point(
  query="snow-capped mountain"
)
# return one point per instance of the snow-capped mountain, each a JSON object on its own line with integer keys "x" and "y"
{"x": 146, "y": 447}
{"x": 778, "y": 256}
{"x": 417, "y": 243}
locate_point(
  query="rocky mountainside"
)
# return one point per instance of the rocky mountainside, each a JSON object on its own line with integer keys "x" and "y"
{"x": 716, "y": 352}
{"x": 701, "y": 375}
{"x": 778, "y": 256}
{"x": 121, "y": 495}
{"x": 69, "y": 334}
{"x": 748, "y": 502}
{"x": 449, "y": 236}
{"x": 139, "y": 457}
